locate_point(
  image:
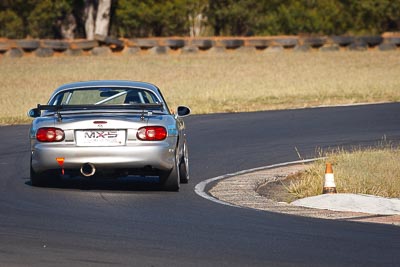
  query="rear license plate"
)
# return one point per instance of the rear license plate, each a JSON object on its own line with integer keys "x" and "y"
{"x": 100, "y": 138}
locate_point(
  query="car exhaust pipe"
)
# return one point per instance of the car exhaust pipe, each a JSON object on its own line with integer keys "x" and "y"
{"x": 88, "y": 169}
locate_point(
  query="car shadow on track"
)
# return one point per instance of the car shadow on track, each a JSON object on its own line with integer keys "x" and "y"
{"x": 130, "y": 183}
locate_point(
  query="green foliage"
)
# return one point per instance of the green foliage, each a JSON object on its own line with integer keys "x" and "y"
{"x": 19, "y": 10}
{"x": 151, "y": 18}
{"x": 12, "y": 26}
{"x": 146, "y": 18}
{"x": 45, "y": 19}
{"x": 305, "y": 16}
{"x": 271, "y": 17}
{"x": 373, "y": 16}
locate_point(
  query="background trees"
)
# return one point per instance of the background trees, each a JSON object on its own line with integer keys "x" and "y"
{"x": 145, "y": 18}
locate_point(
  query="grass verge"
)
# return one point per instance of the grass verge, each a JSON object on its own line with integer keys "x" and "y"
{"x": 373, "y": 171}
{"x": 212, "y": 82}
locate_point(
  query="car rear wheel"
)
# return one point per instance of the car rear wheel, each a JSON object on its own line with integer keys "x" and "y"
{"x": 184, "y": 165}
{"x": 39, "y": 179}
{"x": 170, "y": 180}
{"x": 43, "y": 179}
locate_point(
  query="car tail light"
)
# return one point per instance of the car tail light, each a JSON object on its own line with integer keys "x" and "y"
{"x": 152, "y": 133}
{"x": 50, "y": 134}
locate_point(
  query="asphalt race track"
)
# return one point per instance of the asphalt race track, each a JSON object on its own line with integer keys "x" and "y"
{"x": 130, "y": 223}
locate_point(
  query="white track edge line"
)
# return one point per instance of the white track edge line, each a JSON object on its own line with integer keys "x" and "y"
{"x": 200, "y": 187}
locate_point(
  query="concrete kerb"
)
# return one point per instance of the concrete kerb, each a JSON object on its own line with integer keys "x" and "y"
{"x": 239, "y": 190}
{"x": 201, "y": 188}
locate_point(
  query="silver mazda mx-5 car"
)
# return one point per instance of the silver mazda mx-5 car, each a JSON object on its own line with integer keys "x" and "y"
{"x": 108, "y": 129}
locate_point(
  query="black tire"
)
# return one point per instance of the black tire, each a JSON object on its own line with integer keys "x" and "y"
{"x": 302, "y": 48}
{"x": 44, "y": 52}
{"x": 330, "y": 48}
{"x": 358, "y": 45}
{"x": 83, "y": 44}
{"x": 232, "y": 43}
{"x": 4, "y": 46}
{"x": 175, "y": 43}
{"x": 387, "y": 47}
{"x": 190, "y": 50}
{"x": 202, "y": 44}
{"x": 42, "y": 179}
{"x": 146, "y": 43}
{"x": 373, "y": 40}
{"x": 287, "y": 42}
{"x": 393, "y": 40}
{"x": 259, "y": 43}
{"x": 342, "y": 40}
{"x": 28, "y": 45}
{"x": 132, "y": 50}
{"x": 184, "y": 165}
{"x": 170, "y": 180}
{"x": 315, "y": 42}
{"x": 38, "y": 179}
{"x": 160, "y": 50}
{"x": 15, "y": 52}
{"x": 74, "y": 52}
{"x": 114, "y": 43}
{"x": 101, "y": 51}
{"x": 56, "y": 45}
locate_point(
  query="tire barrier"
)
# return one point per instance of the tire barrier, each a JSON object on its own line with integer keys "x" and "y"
{"x": 302, "y": 48}
{"x": 314, "y": 42}
{"x": 258, "y": 43}
{"x": 83, "y": 44}
{"x": 289, "y": 42}
{"x": 343, "y": 40}
{"x": 159, "y": 50}
{"x": 358, "y": 45}
{"x": 393, "y": 40}
{"x": 184, "y": 45}
{"x": 15, "y": 52}
{"x": 329, "y": 48}
{"x": 387, "y": 47}
{"x": 372, "y": 40}
{"x": 232, "y": 43}
{"x": 44, "y": 52}
{"x": 190, "y": 49}
{"x": 56, "y": 45}
{"x": 115, "y": 44}
{"x": 74, "y": 52}
{"x": 4, "y": 46}
{"x": 143, "y": 43}
{"x": 101, "y": 51}
{"x": 27, "y": 45}
{"x": 174, "y": 43}
{"x": 202, "y": 44}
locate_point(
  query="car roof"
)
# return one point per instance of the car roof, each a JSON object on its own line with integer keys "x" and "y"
{"x": 113, "y": 83}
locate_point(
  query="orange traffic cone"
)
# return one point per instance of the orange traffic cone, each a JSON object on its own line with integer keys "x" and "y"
{"x": 329, "y": 184}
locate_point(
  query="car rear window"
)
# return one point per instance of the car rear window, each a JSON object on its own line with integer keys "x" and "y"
{"x": 104, "y": 96}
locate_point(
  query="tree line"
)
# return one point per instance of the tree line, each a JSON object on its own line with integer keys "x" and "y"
{"x": 96, "y": 19}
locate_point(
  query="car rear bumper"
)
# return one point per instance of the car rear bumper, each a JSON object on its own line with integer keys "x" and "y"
{"x": 160, "y": 157}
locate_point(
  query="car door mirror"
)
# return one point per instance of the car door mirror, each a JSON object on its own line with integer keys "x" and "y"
{"x": 183, "y": 111}
{"x": 34, "y": 113}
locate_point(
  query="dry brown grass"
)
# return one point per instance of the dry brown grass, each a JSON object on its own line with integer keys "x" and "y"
{"x": 213, "y": 82}
{"x": 373, "y": 171}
